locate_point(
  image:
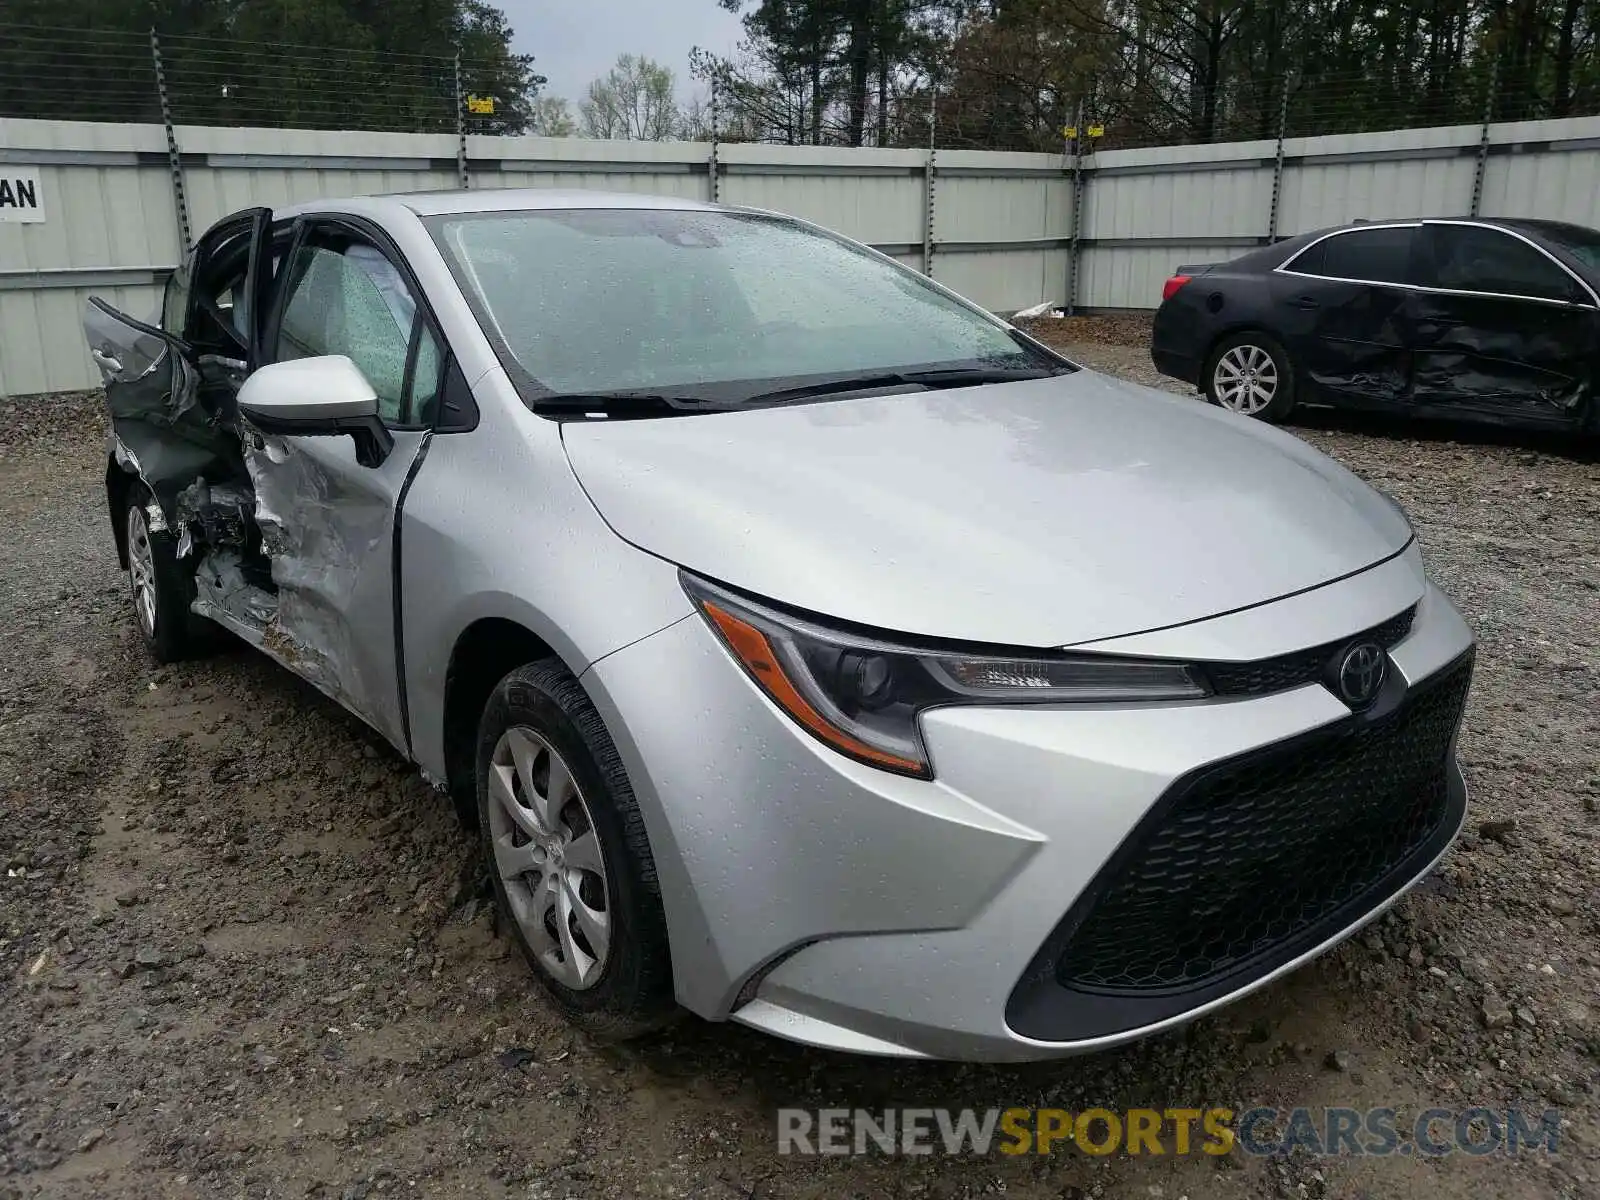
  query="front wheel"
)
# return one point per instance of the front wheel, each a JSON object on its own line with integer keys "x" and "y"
{"x": 567, "y": 852}
{"x": 1250, "y": 374}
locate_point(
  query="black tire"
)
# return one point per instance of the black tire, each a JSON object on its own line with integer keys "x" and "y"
{"x": 172, "y": 631}
{"x": 1284, "y": 396}
{"x": 633, "y": 994}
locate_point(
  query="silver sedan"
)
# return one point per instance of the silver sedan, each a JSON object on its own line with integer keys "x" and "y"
{"x": 809, "y": 647}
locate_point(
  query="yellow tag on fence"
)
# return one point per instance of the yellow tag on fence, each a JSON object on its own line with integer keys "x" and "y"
{"x": 480, "y": 104}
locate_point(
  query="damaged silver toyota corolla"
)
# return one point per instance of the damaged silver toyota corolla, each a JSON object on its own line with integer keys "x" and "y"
{"x": 811, "y": 648}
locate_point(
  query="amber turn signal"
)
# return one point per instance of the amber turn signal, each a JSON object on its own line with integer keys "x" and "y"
{"x": 755, "y": 652}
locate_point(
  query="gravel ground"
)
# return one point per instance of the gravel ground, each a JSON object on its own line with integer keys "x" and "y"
{"x": 243, "y": 949}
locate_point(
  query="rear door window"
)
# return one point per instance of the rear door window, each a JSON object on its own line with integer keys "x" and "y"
{"x": 1475, "y": 258}
{"x": 1379, "y": 255}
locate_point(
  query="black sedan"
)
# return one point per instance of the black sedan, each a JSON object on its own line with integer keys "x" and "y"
{"x": 1488, "y": 320}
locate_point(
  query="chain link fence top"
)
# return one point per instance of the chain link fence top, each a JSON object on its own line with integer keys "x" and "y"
{"x": 976, "y": 109}
{"x": 77, "y": 75}
{"x": 110, "y": 75}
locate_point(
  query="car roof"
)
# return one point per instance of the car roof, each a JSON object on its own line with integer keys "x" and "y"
{"x": 1267, "y": 257}
{"x": 1519, "y": 224}
{"x": 442, "y": 202}
{"x": 427, "y": 204}
{"x": 1545, "y": 227}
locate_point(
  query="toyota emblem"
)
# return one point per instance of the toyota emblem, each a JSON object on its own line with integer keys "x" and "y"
{"x": 1361, "y": 672}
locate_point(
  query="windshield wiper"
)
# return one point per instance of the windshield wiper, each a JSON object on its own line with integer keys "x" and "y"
{"x": 633, "y": 404}
{"x": 947, "y": 377}
{"x": 623, "y": 403}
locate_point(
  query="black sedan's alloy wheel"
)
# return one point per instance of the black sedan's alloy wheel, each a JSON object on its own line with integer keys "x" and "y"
{"x": 1250, "y": 374}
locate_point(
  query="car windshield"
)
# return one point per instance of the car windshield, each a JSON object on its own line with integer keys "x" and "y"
{"x": 727, "y": 308}
{"x": 1583, "y": 244}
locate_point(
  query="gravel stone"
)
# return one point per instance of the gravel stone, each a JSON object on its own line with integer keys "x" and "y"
{"x": 1498, "y": 831}
{"x": 90, "y": 1140}
{"x": 1495, "y": 1012}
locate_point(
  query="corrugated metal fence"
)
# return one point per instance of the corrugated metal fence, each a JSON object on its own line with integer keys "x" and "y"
{"x": 99, "y": 208}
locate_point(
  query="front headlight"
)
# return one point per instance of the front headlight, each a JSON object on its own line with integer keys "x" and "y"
{"x": 861, "y": 694}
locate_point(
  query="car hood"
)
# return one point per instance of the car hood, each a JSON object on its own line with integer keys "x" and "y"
{"x": 1039, "y": 513}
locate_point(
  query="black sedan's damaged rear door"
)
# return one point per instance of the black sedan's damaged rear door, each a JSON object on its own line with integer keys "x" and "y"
{"x": 1343, "y": 313}
{"x": 1502, "y": 330}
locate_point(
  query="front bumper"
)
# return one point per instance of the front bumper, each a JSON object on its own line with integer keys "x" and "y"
{"x": 838, "y": 905}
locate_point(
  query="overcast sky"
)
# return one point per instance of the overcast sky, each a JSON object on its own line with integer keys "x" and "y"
{"x": 574, "y": 41}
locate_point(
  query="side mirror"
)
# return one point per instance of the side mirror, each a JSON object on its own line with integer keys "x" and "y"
{"x": 312, "y": 397}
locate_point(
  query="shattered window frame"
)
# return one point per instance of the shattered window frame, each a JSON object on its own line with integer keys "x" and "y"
{"x": 310, "y": 229}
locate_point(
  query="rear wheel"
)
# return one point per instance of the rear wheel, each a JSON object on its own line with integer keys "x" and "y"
{"x": 1250, "y": 374}
{"x": 162, "y": 584}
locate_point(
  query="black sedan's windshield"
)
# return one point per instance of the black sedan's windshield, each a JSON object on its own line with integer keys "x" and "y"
{"x": 726, "y": 308}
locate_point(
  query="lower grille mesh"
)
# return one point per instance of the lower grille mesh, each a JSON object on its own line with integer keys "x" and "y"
{"x": 1260, "y": 849}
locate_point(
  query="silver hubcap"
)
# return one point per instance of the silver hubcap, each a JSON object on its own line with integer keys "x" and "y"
{"x": 142, "y": 569}
{"x": 548, "y": 857}
{"x": 1246, "y": 379}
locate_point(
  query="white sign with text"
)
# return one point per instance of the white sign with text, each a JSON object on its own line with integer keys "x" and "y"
{"x": 21, "y": 195}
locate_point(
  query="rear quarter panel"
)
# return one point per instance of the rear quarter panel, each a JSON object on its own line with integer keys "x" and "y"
{"x": 1204, "y": 311}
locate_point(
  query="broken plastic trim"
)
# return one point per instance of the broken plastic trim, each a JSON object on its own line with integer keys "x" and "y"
{"x": 374, "y": 442}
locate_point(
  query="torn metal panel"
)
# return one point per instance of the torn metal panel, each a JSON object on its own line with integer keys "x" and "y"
{"x": 167, "y": 424}
{"x": 1474, "y": 381}
{"x": 128, "y": 352}
{"x": 145, "y": 380}
{"x": 223, "y": 588}
{"x": 1377, "y": 374}
{"x": 224, "y": 594}
{"x": 1350, "y": 339}
{"x": 315, "y": 550}
{"x": 1505, "y": 358}
{"x": 125, "y": 458}
{"x": 326, "y": 524}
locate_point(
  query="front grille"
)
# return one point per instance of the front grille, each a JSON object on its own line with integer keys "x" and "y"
{"x": 1249, "y": 855}
{"x": 1301, "y": 667}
